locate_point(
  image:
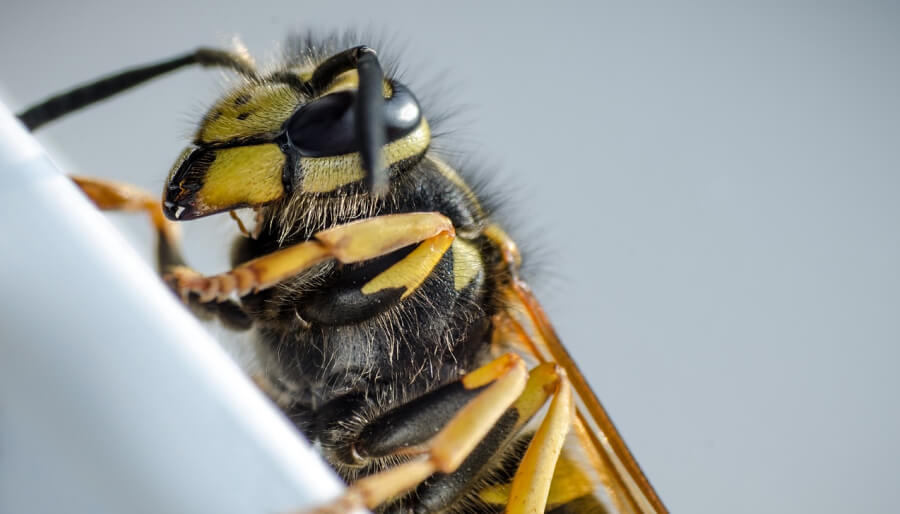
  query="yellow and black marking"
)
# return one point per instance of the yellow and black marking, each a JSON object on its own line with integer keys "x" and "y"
{"x": 413, "y": 269}
{"x": 268, "y": 139}
{"x": 255, "y": 111}
{"x": 328, "y": 174}
{"x": 467, "y": 265}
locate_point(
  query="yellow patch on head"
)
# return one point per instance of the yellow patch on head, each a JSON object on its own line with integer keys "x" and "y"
{"x": 325, "y": 174}
{"x": 250, "y": 111}
{"x": 242, "y": 176}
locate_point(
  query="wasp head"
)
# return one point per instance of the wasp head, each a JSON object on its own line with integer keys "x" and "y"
{"x": 337, "y": 127}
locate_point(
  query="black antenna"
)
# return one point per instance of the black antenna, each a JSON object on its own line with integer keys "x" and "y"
{"x": 87, "y": 94}
{"x": 370, "y": 124}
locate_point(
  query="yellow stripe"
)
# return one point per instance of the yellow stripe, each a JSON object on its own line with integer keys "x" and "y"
{"x": 325, "y": 174}
{"x": 466, "y": 263}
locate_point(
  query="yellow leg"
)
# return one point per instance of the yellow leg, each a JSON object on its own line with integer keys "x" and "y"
{"x": 449, "y": 447}
{"x": 531, "y": 485}
{"x": 543, "y": 382}
{"x": 353, "y": 242}
{"x": 109, "y": 195}
{"x": 532, "y": 481}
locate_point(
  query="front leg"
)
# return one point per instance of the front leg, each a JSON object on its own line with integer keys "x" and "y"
{"x": 349, "y": 243}
{"x": 110, "y": 195}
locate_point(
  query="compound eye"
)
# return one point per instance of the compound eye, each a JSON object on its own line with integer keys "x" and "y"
{"x": 402, "y": 114}
{"x": 325, "y": 126}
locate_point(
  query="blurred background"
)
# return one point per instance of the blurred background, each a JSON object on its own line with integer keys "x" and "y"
{"x": 708, "y": 195}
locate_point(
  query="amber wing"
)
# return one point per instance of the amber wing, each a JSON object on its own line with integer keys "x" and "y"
{"x": 616, "y": 478}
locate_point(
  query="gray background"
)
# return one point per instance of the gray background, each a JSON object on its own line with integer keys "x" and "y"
{"x": 709, "y": 191}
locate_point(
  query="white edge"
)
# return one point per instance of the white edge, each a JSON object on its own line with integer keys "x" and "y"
{"x": 112, "y": 397}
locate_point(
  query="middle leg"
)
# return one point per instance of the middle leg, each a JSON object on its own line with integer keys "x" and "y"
{"x": 495, "y": 387}
{"x": 409, "y": 430}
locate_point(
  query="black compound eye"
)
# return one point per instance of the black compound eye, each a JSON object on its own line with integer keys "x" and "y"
{"x": 401, "y": 112}
{"x": 325, "y": 126}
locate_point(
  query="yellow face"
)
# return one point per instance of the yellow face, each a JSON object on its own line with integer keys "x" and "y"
{"x": 266, "y": 140}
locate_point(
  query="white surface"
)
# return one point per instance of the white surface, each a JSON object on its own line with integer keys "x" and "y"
{"x": 121, "y": 403}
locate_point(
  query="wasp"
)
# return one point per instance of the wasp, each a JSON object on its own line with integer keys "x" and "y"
{"x": 387, "y": 306}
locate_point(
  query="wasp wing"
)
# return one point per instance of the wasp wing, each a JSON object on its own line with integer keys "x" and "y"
{"x": 626, "y": 486}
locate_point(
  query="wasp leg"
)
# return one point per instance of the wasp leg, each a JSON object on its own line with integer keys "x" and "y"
{"x": 403, "y": 429}
{"x": 531, "y": 485}
{"x": 629, "y": 488}
{"x": 443, "y": 490}
{"x": 349, "y": 243}
{"x": 117, "y": 196}
{"x": 87, "y": 94}
{"x": 502, "y": 380}
{"x": 111, "y": 195}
